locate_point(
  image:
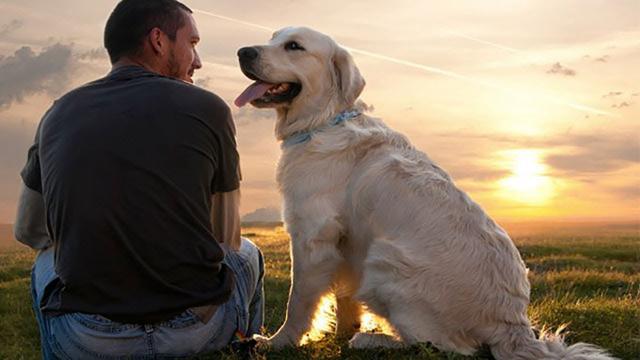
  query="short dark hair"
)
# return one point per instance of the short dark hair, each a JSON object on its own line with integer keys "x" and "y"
{"x": 132, "y": 20}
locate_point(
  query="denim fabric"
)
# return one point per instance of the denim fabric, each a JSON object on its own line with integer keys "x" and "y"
{"x": 91, "y": 336}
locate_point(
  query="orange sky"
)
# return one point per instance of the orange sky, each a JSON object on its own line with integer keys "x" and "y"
{"x": 532, "y": 109}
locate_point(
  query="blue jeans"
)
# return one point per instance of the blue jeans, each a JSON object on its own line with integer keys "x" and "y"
{"x": 91, "y": 336}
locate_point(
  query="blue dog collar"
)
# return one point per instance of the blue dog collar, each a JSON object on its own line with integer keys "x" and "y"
{"x": 304, "y": 136}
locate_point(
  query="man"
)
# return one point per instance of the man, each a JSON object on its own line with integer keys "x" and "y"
{"x": 124, "y": 172}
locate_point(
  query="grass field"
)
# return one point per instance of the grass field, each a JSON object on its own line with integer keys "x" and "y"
{"x": 586, "y": 276}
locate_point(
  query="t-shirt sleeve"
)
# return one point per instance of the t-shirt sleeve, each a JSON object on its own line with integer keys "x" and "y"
{"x": 31, "y": 171}
{"x": 227, "y": 173}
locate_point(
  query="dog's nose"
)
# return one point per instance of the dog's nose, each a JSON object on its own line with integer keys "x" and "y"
{"x": 248, "y": 53}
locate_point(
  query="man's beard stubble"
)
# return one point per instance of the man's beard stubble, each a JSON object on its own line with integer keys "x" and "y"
{"x": 174, "y": 67}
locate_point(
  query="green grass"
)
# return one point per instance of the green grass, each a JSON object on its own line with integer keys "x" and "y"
{"x": 591, "y": 283}
{"x": 18, "y": 329}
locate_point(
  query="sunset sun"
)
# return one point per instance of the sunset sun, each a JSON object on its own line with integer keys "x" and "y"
{"x": 528, "y": 182}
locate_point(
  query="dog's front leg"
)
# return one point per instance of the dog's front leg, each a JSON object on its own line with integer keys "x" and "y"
{"x": 348, "y": 312}
{"x": 348, "y": 309}
{"x": 315, "y": 259}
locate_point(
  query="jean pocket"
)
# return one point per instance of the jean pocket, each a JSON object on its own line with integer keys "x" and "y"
{"x": 101, "y": 323}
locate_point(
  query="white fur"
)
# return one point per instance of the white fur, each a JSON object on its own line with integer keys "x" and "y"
{"x": 369, "y": 213}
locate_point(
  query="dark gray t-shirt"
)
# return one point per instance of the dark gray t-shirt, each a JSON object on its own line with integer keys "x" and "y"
{"x": 127, "y": 165}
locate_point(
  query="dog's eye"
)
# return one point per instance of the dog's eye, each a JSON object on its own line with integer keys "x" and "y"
{"x": 292, "y": 45}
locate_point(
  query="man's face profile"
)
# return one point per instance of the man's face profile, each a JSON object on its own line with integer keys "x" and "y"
{"x": 183, "y": 59}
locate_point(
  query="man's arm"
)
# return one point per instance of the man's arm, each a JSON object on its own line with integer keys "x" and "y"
{"x": 225, "y": 218}
{"x": 30, "y": 227}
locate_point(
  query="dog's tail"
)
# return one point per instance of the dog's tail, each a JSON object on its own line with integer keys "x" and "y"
{"x": 518, "y": 342}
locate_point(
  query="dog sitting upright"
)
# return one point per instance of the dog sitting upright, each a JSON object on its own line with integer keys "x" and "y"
{"x": 374, "y": 217}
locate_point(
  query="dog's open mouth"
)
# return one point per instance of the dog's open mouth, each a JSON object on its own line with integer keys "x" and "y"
{"x": 263, "y": 93}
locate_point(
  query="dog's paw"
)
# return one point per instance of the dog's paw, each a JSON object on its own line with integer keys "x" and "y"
{"x": 373, "y": 340}
{"x": 279, "y": 341}
{"x": 262, "y": 342}
{"x": 360, "y": 341}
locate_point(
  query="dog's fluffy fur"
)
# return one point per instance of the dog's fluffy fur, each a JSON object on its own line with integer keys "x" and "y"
{"x": 373, "y": 216}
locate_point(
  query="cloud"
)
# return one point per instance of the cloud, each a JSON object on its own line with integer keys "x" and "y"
{"x": 469, "y": 171}
{"x": 466, "y": 163}
{"x": 94, "y": 54}
{"x": 571, "y": 155}
{"x": 204, "y": 82}
{"x": 268, "y": 214}
{"x": 15, "y": 138}
{"x": 7, "y": 29}
{"x": 612, "y": 93}
{"x": 595, "y": 153}
{"x": 621, "y": 105}
{"x": 602, "y": 59}
{"x": 25, "y": 73}
{"x": 247, "y": 115}
{"x": 494, "y": 138}
{"x": 627, "y": 192}
{"x": 559, "y": 69}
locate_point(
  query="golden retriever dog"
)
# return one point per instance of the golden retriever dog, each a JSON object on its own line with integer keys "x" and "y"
{"x": 374, "y": 217}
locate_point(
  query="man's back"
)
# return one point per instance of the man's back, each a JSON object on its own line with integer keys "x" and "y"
{"x": 125, "y": 170}
{"x": 128, "y": 165}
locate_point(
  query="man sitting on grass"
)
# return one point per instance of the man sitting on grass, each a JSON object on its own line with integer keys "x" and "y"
{"x": 136, "y": 177}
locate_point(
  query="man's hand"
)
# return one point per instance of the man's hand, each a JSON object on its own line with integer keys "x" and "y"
{"x": 225, "y": 218}
{"x": 30, "y": 226}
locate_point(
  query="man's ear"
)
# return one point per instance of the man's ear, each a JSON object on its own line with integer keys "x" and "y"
{"x": 349, "y": 81}
{"x": 157, "y": 40}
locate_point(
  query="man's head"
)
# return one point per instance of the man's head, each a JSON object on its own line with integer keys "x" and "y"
{"x": 159, "y": 34}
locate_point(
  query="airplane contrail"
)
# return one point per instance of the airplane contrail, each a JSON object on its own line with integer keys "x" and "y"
{"x": 525, "y": 53}
{"x": 427, "y": 68}
{"x": 475, "y": 81}
{"x": 258, "y": 26}
{"x": 499, "y": 46}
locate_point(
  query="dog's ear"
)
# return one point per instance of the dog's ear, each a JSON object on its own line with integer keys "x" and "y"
{"x": 348, "y": 77}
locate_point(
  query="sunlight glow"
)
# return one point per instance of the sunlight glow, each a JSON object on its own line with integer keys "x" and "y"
{"x": 528, "y": 183}
{"x": 370, "y": 322}
{"x": 324, "y": 321}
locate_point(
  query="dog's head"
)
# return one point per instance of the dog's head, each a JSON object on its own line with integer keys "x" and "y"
{"x": 300, "y": 71}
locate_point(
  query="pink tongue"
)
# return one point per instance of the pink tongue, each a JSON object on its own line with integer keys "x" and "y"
{"x": 254, "y": 91}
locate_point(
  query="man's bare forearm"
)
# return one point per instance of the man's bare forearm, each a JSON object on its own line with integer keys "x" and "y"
{"x": 30, "y": 227}
{"x": 225, "y": 218}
